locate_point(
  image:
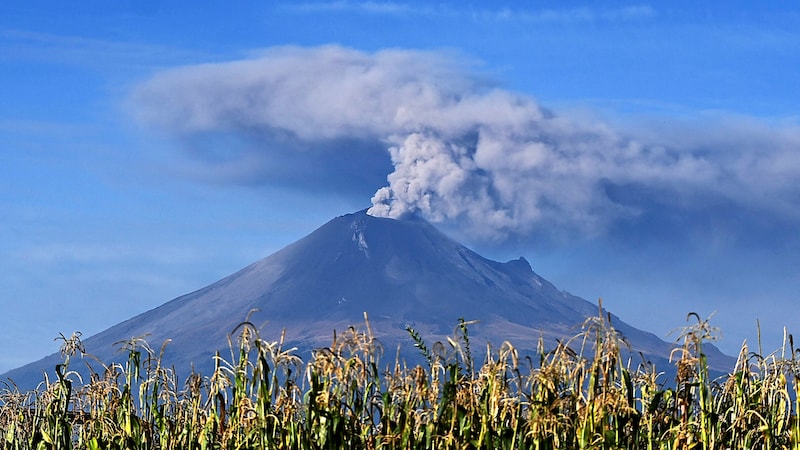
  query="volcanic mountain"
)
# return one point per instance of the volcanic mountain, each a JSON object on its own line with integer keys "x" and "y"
{"x": 401, "y": 272}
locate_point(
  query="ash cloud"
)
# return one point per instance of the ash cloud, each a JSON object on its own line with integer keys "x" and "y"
{"x": 459, "y": 149}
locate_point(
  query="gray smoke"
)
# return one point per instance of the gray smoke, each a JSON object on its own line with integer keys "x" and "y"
{"x": 464, "y": 150}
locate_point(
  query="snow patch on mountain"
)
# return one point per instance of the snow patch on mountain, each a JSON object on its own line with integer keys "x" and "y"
{"x": 358, "y": 237}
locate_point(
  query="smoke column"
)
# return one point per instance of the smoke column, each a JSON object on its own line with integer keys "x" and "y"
{"x": 463, "y": 149}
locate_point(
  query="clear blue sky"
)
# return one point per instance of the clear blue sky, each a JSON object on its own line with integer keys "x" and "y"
{"x": 645, "y": 153}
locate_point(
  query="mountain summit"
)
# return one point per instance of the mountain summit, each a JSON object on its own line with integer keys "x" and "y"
{"x": 401, "y": 272}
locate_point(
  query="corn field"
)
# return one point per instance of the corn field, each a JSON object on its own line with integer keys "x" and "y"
{"x": 579, "y": 394}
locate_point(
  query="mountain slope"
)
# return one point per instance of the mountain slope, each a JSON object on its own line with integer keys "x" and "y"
{"x": 402, "y": 272}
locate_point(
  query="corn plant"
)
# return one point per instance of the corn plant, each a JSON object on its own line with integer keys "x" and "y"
{"x": 583, "y": 393}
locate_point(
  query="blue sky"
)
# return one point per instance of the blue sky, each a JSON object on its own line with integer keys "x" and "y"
{"x": 643, "y": 153}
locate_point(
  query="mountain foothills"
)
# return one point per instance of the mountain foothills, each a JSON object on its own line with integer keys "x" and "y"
{"x": 401, "y": 272}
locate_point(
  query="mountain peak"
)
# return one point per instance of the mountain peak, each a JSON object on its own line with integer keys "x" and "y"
{"x": 402, "y": 272}
{"x": 521, "y": 264}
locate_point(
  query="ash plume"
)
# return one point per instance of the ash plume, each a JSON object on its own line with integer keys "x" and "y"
{"x": 461, "y": 148}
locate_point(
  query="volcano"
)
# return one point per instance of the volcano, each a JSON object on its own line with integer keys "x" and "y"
{"x": 401, "y": 272}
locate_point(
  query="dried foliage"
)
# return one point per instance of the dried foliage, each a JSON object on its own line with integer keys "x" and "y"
{"x": 581, "y": 394}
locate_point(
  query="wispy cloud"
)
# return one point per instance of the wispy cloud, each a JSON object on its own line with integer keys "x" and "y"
{"x": 568, "y": 15}
{"x": 29, "y": 46}
{"x": 463, "y": 150}
{"x": 94, "y": 253}
{"x": 370, "y": 7}
{"x": 460, "y": 11}
{"x": 40, "y": 127}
